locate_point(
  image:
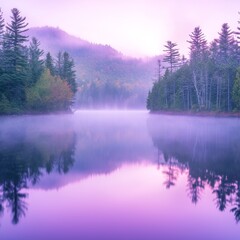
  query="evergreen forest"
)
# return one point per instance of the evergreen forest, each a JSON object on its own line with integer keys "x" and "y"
{"x": 31, "y": 81}
{"x": 208, "y": 81}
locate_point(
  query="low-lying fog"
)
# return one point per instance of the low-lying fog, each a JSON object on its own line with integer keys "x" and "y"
{"x": 90, "y": 142}
{"x": 144, "y": 152}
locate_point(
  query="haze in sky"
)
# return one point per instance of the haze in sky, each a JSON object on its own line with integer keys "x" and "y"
{"x": 134, "y": 27}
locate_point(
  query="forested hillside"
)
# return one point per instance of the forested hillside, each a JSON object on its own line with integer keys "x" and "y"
{"x": 208, "y": 81}
{"x": 29, "y": 81}
{"x": 106, "y": 78}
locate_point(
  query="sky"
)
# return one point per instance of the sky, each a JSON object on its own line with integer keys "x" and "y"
{"x": 134, "y": 27}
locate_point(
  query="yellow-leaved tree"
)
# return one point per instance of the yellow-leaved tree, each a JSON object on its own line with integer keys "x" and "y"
{"x": 50, "y": 93}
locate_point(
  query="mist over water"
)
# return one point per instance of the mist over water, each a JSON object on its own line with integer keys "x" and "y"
{"x": 119, "y": 175}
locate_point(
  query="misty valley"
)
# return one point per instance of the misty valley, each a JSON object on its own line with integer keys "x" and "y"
{"x": 122, "y": 173}
{"x": 95, "y": 144}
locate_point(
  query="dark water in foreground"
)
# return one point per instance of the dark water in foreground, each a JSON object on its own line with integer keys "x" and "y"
{"x": 119, "y": 175}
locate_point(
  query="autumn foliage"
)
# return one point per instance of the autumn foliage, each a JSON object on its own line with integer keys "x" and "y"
{"x": 50, "y": 93}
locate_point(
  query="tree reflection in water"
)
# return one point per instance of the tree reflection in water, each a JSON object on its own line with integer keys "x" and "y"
{"x": 208, "y": 149}
{"x": 25, "y": 159}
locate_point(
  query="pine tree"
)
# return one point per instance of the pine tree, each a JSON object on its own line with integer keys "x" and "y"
{"x": 35, "y": 61}
{"x": 68, "y": 72}
{"x": 199, "y": 63}
{"x": 238, "y": 40}
{"x": 1, "y": 40}
{"x": 15, "y": 55}
{"x": 64, "y": 69}
{"x": 49, "y": 64}
{"x": 16, "y": 38}
{"x": 226, "y": 61}
{"x": 59, "y": 65}
{"x": 1, "y": 26}
{"x": 225, "y": 42}
{"x": 238, "y": 28}
{"x": 172, "y": 55}
{"x": 198, "y": 44}
{"x": 149, "y": 101}
{"x": 236, "y": 91}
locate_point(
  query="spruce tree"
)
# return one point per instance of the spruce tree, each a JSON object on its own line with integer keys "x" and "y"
{"x": 225, "y": 42}
{"x": 49, "y": 64}
{"x": 199, "y": 66}
{"x": 226, "y": 62}
{"x": 65, "y": 70}
{"x": 238, "y": 39}
{"x": 236, "y": 91}
{"x": 1, "y": 26}
{"x": 15, "y": 55}
{"x": 173, "y": 59}
{"x": 35, "y": 61}
{"x": 59, "y": 65}
{"x": 68, "y": 72}
{"x": 172, "y": 55}
{"x": 1, "y": 40}
{"x": 198, "y": 44}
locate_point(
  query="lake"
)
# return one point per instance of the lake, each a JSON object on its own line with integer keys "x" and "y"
{"x": 119, "y": 175}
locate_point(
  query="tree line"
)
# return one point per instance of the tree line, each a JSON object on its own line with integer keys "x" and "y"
{"x": 208, "y": 81}
{"x": 29, "y": 81}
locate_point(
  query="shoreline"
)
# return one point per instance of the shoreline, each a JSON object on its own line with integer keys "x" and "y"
{"x": 37, "y": 113}
{"x": 198, "y": 114}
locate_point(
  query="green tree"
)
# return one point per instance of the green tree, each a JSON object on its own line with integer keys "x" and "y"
{"x": 5, "y": 105}
{"x": 1, "y": 40}
{"x": 68, "y": 72}
{"x": 226, "y": 61}
{"x": 65, "y": 69}
{"x": 49, "y": 64}
{"x": 59, "y": 65}
{"x": 173, "y": 59}
{"x": 172, "y": 56}
{"x": 50, "y": 93}
{"x": 236, "y": 91}
{"x": 238, "y": 31}
{"x": 199, "y": 66}
{"x": 1, "y": 26}
{"x": 35, "y": 61}
{"x": 15, "y": 55}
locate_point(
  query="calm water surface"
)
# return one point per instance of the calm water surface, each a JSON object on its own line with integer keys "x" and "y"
{"x": 119, "y": 175}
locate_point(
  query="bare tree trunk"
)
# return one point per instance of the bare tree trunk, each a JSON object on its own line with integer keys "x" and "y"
{"x": 220, "y": 94}
{"x": 206, "y": 87}
{"x": 196, "y": 88}
{"x": 166, "y": 101}
{"x": 202, "y": 87}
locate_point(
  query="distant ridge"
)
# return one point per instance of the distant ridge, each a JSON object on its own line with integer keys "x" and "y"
{"x": 98, "y": 62}
{"x": 55, "y": 39}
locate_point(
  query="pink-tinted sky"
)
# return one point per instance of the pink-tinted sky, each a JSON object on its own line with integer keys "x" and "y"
{"x": 134, "y": 27}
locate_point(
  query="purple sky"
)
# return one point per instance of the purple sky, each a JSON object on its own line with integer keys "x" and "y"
{"x": 134, "y": 27}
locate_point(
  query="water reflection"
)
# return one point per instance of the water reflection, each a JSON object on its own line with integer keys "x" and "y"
{"x": 33, "y": 149}
{"x": 25, "y": 155}
{"x": 208, "y": 149}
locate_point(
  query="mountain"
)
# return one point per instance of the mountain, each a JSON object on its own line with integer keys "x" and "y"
{"x": 104, "y": 75}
